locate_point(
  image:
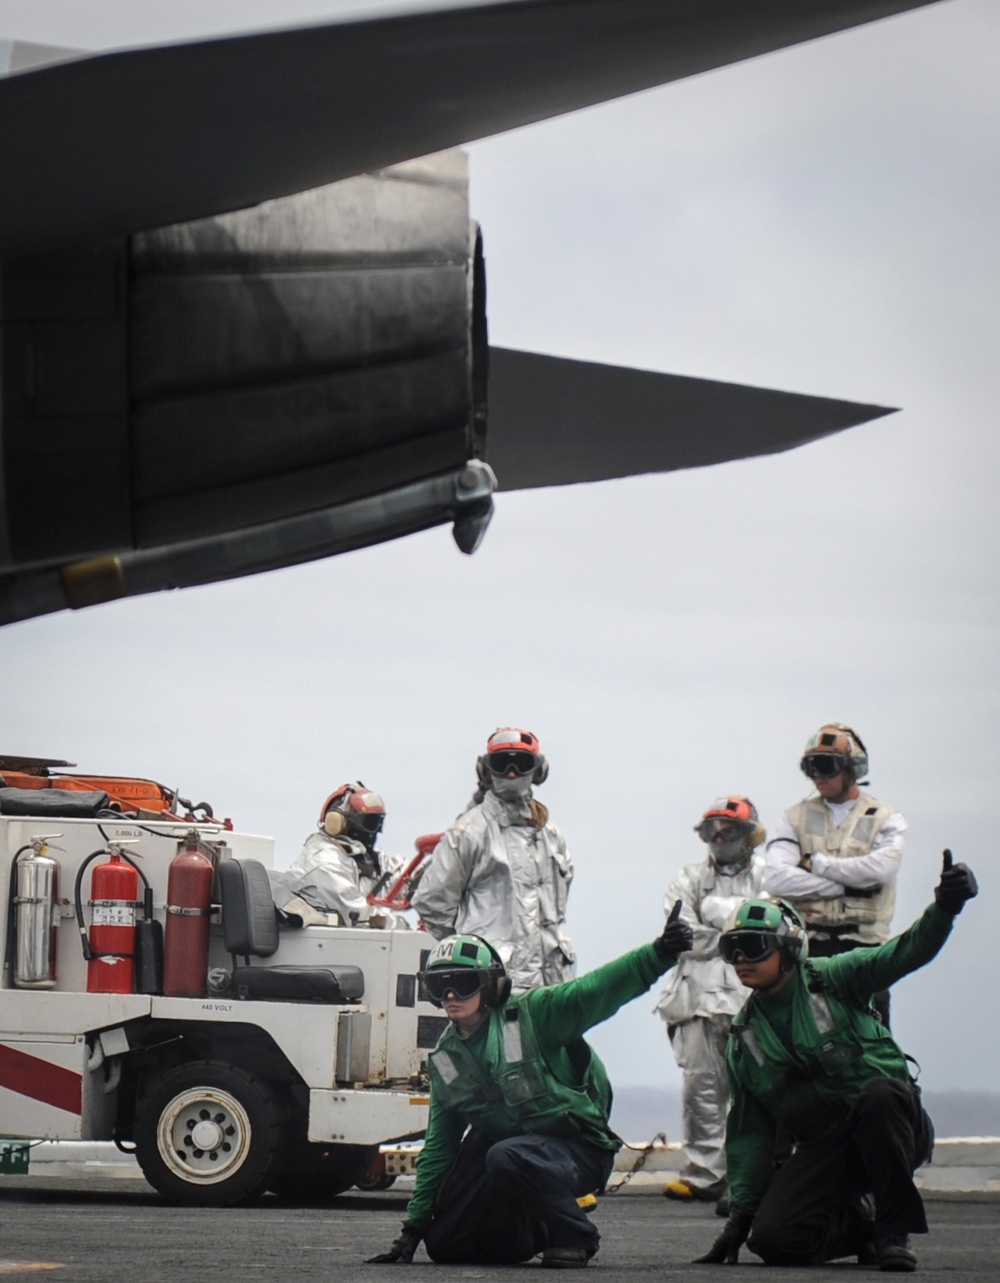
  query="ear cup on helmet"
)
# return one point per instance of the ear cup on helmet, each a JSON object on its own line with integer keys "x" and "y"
{"x": 541, "y": 772}
{"x": 859, "y": 759}
{"x": 335, "y": 804}
{"x": 797, "y": 945}
{"x": 334, "y": 823}
{"x": 497, "y": 991}
{"x": 758, "y": 836}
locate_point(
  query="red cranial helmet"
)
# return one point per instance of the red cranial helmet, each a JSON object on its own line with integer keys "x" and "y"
{"x": 512, "y": 739}
{"x": 510, "y": 748}
{"x": 731, "y": 829}
{"x": 355, "y": 810}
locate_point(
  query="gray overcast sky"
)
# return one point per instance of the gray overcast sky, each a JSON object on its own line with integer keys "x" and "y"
{"x": 822, "y": 220}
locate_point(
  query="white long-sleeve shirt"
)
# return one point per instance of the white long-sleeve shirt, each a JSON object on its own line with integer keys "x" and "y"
{"x": 831, "y": 874}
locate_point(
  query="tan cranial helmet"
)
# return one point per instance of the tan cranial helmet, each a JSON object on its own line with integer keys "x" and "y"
{"x": 835, "y": 748}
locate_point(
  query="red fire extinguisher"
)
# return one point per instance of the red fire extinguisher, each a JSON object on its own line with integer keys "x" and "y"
{"x": 189, "y": 903}
{"x": 114, "y": 890}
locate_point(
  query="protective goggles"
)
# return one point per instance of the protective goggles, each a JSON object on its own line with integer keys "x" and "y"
{"x": 463, "y": 982}
{"x": 503, "y": 760}
{"x": 719, "y": 826}
{"x": 824, "y": 766}
{"x": 367, "y": 821}
{"x": 752, "y": 946}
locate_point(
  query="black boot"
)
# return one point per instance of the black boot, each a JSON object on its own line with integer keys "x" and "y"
{"x": 895, "y": 1254}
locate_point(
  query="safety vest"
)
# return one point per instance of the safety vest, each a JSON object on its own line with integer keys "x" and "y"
{"x": 508, "y": 1088}
{"x": 836, "y": 1047}
{"x": 861, "y": 913}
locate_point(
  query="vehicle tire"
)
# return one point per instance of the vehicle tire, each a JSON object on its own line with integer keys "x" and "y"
{"x": 209, "y": 1135}
{"x": 380, "y": 1180}
{"x": 322, "y": 1171}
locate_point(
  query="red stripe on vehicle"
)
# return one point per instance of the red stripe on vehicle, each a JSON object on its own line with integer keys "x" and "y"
{"x": 41, "y": 1080}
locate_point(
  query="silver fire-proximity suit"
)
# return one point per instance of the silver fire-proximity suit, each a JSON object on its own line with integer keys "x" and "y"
{"x": 698, "y": 1003}
{"x": 502, "y": 872}
{"x": 335, "y": 875}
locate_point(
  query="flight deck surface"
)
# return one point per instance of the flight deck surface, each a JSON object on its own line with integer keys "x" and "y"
{"x": 115, "y": 1231}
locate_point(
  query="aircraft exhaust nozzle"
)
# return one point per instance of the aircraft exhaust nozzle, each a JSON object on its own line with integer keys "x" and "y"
{"x": 239, "y": 372}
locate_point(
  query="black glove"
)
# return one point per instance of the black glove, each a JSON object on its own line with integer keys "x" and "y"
{"x": 677, "y": 936}
{"x": 957, "y": 884}
{"x": 726, "y": 1248}
{"x": 401, "y": 1252}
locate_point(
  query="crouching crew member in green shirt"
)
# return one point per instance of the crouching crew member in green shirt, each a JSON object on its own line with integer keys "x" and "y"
{"x": 517, "y": 1072}
{"x": 808, "y": 1051}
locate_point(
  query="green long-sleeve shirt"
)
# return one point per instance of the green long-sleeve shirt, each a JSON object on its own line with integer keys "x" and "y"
{"x": 559, "y": 1015}
{"x": 786, "y": 1067}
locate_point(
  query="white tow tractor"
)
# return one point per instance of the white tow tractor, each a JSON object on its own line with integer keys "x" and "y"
{"x": 151, "y": 997}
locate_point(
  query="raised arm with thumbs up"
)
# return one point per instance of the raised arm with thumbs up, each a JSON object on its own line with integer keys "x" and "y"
{"x": 677, "y": 936}
{"x": 956, "y": 885}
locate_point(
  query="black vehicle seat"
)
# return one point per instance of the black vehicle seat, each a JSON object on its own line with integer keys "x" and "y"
{"x": 64, "y": 804}
{"x": 249, "y": 918}
{"x": 250, "y": 929}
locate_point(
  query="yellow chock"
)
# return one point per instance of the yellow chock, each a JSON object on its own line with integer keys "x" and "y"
{"x": 680, "y": 1190}
{"x": 588, "y": 1202}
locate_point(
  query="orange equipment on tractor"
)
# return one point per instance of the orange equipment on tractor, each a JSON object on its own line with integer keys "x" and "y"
{"x": 399, "y": 893}
{"x": 145, "y": 799}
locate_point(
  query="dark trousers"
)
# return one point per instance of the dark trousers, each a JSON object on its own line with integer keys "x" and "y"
{"x": 829, "y": 948}
{"x": 814, "y": 1211}
{"x": 508, "y": 1200}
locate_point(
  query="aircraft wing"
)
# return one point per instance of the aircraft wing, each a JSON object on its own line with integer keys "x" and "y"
{"x": 145, "y": 137}
{"x": 217, "y": 360}
{"x": 555, "y": 422}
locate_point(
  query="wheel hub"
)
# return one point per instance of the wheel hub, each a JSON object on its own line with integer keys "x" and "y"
{"x": 207, "y": 1134}
{"x": 204, "y": 1135}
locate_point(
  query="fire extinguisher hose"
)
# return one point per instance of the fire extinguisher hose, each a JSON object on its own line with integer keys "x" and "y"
{"x": 8, "y": 954}
{"x": 148, "y": 940}
{"x": 88, "y": 953}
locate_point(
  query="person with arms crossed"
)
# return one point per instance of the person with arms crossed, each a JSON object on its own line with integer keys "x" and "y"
{"x": 836, "y": 856}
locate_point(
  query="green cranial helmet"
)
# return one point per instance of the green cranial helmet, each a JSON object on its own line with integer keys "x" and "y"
{"x": 775, "y": 922}
{"x": 462, "y": 951}
{"x": 465, "y": 965}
